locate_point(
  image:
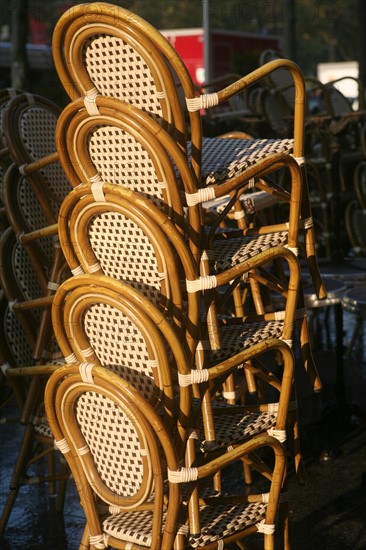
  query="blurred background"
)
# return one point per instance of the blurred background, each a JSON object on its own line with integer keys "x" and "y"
{"x": 310, "y": 32}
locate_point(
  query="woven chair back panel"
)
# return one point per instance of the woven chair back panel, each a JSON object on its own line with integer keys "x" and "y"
{"x": 115, "y": 444}
{"x": 121, "y": 347}
{"x": 38, "y": 130}
{"x": 125, "y": 253}
{"x": 108, "y": 60}
{"x": 33, "y": 215}
{"x": 16, "y": 340}
{"x": 120, "y": 159}
{"x": 24, "y": 273}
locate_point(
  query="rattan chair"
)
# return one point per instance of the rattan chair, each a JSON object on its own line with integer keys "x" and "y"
{"x": 29, "y": 125}
{"x": 93, "y": 147}
{"x": 20, "y": 326}
{"x": 34, "y": 186}
{"x": 106, "y": 50}
{"x": 139, "y": 256}
{"x": 132, "y": 486}
{"x": 6, "y": 94}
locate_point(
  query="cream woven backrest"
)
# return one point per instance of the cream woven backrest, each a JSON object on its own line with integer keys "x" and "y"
{"x": 110, "y": 51}
{"x": 98, "y": 319}
{"x": 30, "y": 129}
{"x": 102, "y": 425}
{"x": 113, "y": 238}
{"x": 20, "y": 281}
{"x": 122, "y": 468}
{"x": 25, "y": 213}
{"x": 95, "y": 323}
{"x": 111, "y": 146}
{"x": 16, "y": 348}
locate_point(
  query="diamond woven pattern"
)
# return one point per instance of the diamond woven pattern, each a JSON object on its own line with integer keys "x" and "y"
{"x": 222, "y": 520}
{"x": 125, "y": 253}
{"x": 25, "y": 274}
{"x": 120, "y": 346}
{"x": 225, "y": 158}
{"x": 16, "y": 340}
{"x": 38, "y": 128}
{"x": 34, "y": 216}
{"x": 238, "y": 338}
{"x": 234, "y": 428}
{"x": 113, "y": 442}
{"x": 135, "y": 528}
{"x": 120, "y": 159}
{"x": 108, "y": 59}
{"x": 240, "y": 250}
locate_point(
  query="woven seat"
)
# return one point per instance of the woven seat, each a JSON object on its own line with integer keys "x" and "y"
{"x": 135, "y": 509}
{"x": 34, "y": 186}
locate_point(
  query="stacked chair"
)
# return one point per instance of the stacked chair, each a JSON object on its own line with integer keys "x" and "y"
{"x": 6, "y": 94}
{"x": 219, "y": 166}
{"x": 32, "y": 266}
{"x": 171, "y": 376}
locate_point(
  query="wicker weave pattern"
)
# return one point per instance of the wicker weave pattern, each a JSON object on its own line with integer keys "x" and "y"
{"x": 34, "y": 215}
{"x": 43, "y": 429}
{"x": 101, "y": 423}
{"x": 237, "y": 338}
{"x": 125, "y": 253}
{"x": 107, "y": 59}
{"x": 220, "y": 521}
{"x": 240, "y": 250}
{"x": 16, "y": 340}
{"x": 24, "y": 273}
{"x": 38, "y": 144}
{"x": 135, "y": 528}
{"x": 225, "y": 158}
{"x": 119, "y": 158}
{"x": 38, "y": 128}
{"x": 232, "y": 428}
{"x": 120, "y": 346}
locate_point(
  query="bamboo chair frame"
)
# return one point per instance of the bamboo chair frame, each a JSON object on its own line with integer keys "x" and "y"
{"x": 6, "y": 94}
{"x": 81, "y": 75}
{"x": 79, "y": 211}
{"x": 75, "y": 132}
{"x": 77, "y": 294}
{"x": 158, "y": 516}
{"x": 29, "y": 124}
{"x": 34, "y": 150}
{"x": 21, "y": 287}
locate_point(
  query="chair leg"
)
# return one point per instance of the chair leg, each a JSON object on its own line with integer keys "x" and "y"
{"x": 84, "y": 543}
